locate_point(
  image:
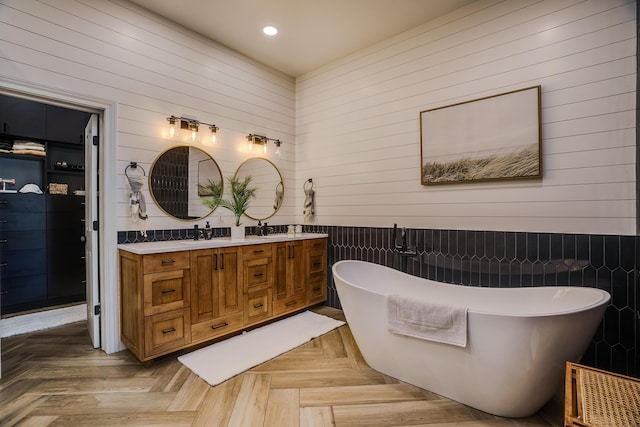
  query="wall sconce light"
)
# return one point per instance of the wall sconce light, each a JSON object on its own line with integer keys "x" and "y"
{"x": 263, "y": 140}
{"x": 192, "y": 125}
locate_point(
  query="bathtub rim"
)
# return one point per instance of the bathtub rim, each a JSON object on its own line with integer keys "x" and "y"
{"x": 604, "y": 297}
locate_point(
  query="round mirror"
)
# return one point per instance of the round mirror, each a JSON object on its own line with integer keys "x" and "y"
{"x": 267, "y": 180}
{"x": 181, "y": 178}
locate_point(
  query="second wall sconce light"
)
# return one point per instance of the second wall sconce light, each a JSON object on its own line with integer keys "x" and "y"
{"x": 263, "y": 140}
{"x": 190, "y": 124}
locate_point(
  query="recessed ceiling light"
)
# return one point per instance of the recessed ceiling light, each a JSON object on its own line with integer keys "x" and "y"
{"x": 270, "y": 30}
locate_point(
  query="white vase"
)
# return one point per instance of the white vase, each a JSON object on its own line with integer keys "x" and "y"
{"x": 237, "y": 232}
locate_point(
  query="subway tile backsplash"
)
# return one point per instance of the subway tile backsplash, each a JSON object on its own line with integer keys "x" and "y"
{"x": 504, "y": 260}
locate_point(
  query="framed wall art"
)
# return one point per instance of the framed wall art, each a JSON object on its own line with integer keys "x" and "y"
{"x": 493, "y": 138}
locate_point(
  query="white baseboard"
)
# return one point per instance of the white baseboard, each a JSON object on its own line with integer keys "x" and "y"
{"x": 42, "y": 320}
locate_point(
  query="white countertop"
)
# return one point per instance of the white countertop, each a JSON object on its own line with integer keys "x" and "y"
{"x": 145, "y": 248}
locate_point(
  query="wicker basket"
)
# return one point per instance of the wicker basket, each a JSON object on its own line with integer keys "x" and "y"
{"x": 58, "y": 188}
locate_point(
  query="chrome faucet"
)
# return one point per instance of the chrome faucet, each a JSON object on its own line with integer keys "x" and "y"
{"x": 403, "y": 249}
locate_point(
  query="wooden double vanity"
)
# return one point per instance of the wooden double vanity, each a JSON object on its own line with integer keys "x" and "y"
{"x": 178, "y": 294}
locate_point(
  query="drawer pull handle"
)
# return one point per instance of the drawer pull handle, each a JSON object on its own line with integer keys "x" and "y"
{"x": 220, "y": 325}
{"x": 258, "y": 252}
{"x": 289, "y": 304}
{"x": 4, "y": 221}
{"x": 168, "y": 261}
{"x": 3, "y": 264}
{"x": 168, "y": 291}
{"x": 4, "y": 293}
{"x": 317, "y": 288}
{"x": 259, "y": 305}
{"x": 316, "y": 264}
{"x": 3, "y": 241}
{"x": 258, "y": 275}
{"x": 4, "y": 202}
{"x": 168, "y": 331}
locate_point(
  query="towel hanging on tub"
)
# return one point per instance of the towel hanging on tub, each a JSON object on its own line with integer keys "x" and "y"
{"x": 427, "y": 320}
{"x": 137, "y": 204}
{"x": 309, "y": 202}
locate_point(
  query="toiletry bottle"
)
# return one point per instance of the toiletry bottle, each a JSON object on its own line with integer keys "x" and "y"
{"x": 208, "y": 232}
{"x": 196, "y": 232}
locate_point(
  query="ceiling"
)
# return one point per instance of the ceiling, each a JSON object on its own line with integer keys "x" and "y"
{"x": 312, "y": 33}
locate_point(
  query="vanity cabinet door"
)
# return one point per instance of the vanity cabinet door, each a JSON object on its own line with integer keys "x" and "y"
{"x": 289, "y": 282}
{"x": 216, "y": 284}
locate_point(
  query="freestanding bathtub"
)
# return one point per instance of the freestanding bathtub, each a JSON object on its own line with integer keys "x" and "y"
{"x": 518, "y": 340}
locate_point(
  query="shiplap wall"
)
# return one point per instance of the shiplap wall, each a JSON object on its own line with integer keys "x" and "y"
{"x": 358, "y": 133}
{"x": 141, "y": 69}
{"x": 151, "y": 69}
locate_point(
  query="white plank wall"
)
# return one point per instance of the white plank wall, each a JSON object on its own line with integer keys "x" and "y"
{"x": 150, "y": 69}
{"x": 358, "y": 132}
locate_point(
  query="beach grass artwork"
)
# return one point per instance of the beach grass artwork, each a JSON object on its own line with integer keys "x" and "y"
{"x": 492, "y": 138}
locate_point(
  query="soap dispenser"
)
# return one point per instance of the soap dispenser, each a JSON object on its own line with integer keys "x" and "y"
{"x": 208, "y": 232}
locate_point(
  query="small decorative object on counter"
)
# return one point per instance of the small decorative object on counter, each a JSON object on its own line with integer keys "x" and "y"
{"x": 208, "y": 232}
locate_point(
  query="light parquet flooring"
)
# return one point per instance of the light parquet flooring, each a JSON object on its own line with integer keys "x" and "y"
{"x": 56, "y": 378}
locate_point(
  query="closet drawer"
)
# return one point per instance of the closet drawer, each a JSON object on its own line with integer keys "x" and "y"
{"x": 289, "y": 304}
{"x": 20, "y": 221}
{"x": 165, "y": 261}
{"x": 22, "y": 240}
{"x": 23, "y": 289}
{"x": 19, "y": 202}
{"x": 22, "y": 263}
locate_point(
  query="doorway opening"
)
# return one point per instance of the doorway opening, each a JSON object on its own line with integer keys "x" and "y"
{"x": 49, "y": 204}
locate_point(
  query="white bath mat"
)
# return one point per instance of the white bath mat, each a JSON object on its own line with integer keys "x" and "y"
{"x": 223, "y": 360}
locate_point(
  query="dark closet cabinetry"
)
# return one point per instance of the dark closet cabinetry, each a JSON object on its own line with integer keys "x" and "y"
{"x": 42, "y": 249}
{"x": 23, "y": 271}
{"x": 42, "y": 258}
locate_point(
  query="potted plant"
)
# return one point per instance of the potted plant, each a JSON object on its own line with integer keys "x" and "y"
{"x": 241, "y": 193}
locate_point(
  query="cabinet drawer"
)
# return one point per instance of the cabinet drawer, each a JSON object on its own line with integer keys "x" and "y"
{"x": 22, "y": 263}
{"x": 317, "y": 288}
{"x": 20, "y": 240}
{"x": 258, "y": 306}
{"x": 166, "y": 291}
{"x": 165, "y": 261}
{"x": 258, "y": 274}
{"x": 256, "y": 251}
{"x": 289, "y": 304}
{"x": 316, "y": 245}
{"x": 19, "y": 221}
{"x": 316, "y": 263}
{"x": 203, "y": 331}
{"x": 19, "y": 202}
{"x": 166, "y": 332}
{"x": 19, "y": 290}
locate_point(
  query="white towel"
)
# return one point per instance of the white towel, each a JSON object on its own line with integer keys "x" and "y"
{"x": 426, "y": 320}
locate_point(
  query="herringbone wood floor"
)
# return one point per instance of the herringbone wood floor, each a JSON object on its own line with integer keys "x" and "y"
{"x": 55, "y": 378}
